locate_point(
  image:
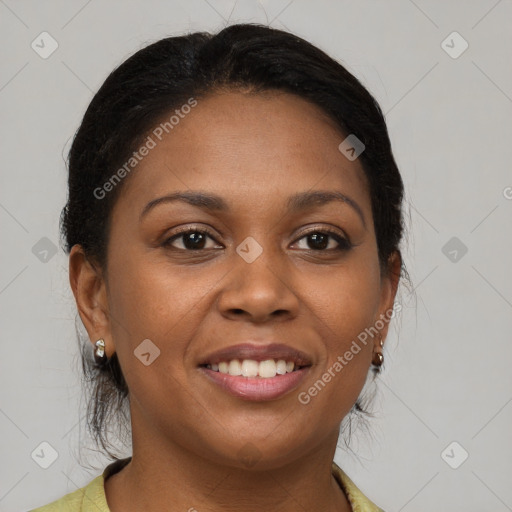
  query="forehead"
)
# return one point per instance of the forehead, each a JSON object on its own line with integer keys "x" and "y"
{"x": 254, "y": 149}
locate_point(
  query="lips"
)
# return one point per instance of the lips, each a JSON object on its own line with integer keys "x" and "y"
{"x": 253, "y": 381}
{"x": 258, "y": 353}
{"x": 256, "y": 389}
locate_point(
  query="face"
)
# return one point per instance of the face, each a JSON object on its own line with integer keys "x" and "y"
{"x": 194, "y": 278}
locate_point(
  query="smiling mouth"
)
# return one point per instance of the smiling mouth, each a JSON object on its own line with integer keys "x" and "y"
{"x": 251, "y": 368}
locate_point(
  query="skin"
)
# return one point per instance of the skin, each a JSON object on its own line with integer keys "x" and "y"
{"x": 255, "y": 151}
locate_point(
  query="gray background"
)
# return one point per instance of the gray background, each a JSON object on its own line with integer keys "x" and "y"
{"x": 447, "y": 371}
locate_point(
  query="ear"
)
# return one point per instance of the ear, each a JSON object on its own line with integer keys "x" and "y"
{"x": 389, "y": 286}
{"x": 89, "y": 289}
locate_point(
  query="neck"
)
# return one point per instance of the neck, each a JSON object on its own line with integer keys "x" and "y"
{"x": 163, "y": 475}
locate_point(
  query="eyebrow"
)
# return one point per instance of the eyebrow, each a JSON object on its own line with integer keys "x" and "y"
{"x": 296, "y": 203}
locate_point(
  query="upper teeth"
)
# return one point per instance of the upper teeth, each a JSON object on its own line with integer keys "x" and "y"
{"x": 251, "y": 368}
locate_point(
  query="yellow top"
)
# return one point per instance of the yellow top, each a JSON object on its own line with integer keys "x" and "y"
{"x": 91, "y": 498}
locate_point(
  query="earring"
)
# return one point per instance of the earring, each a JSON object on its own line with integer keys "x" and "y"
{"x": 99, "y": 353}
{"x": 378, "y": 358}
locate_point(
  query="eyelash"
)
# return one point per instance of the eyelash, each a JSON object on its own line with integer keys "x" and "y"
{"x": 344, "y": 243}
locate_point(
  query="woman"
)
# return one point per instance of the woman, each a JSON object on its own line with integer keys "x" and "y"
{"x": 233, "y": 227}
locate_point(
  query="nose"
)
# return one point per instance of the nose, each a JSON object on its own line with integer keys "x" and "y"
{"x": 258, "y": 292}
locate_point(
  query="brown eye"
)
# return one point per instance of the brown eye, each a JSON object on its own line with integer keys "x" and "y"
{"x": 322, "y": 240}
{"x": 191, "y": 239}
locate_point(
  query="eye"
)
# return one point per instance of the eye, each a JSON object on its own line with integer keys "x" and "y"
{"x": 191, "y": 239}
{"x": 195, "y": 239}
{"x": 318, "y": 240}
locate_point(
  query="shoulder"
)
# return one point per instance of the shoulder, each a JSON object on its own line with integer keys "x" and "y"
{"x": 88, "y": 498}
{"x": 359, "y": 502}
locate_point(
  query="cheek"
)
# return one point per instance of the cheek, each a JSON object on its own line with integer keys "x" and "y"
{"x": 345, "y": 301}
{"x": 345, "y": 308}
{"x": 152, "y": 299}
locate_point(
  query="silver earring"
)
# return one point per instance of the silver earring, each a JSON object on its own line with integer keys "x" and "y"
{"x": 99, "y": 353}
{"x": 378, "y": 358}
